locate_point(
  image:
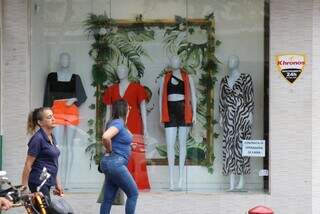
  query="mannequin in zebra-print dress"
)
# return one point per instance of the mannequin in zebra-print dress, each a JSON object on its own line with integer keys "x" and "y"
{"x": 236, "y": 104}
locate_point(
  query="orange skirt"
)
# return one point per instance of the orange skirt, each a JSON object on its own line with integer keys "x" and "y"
{"x": 64, "y": 114}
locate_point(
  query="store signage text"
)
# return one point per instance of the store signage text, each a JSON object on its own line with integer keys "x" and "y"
{"x": 290, "y": 66}
{"x": 253, "y": 148}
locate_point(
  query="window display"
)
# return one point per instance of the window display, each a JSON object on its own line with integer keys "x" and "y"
{"x": 194, "y": 82}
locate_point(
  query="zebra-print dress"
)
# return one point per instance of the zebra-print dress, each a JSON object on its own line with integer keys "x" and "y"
{"x": 235, "y": 106}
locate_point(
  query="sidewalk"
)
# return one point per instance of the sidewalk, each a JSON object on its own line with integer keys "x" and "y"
{"x": 167, "y": 202}
{"x": 148, "y": 202}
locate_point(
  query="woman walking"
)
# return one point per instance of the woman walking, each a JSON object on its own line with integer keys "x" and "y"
{"x": 117, "y": 142}
{"x": 42, "y": 152}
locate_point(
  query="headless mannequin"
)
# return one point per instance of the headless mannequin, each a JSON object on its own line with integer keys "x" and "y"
{"x": 122, "y": 73}
{"x": 65, "y": 133}
{"x": 182, "y": 131}
{"x": 233, "y": 75}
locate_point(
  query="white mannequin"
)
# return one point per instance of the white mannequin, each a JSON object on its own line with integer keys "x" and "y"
{"x": 233, "y": 67}
{"x": 233, "y": 75}
{"x": 122, "y": 73}
{"x": 171, "y": 132}
{"x": 64, "y": 63}
{"x": 65, "y": 133}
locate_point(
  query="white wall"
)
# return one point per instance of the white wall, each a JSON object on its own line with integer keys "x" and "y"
{"x": 1, "y": 44}
{"x": 15, "y": 89}
{"x": 315, "y": 107}
{"x": 290, "y": 108}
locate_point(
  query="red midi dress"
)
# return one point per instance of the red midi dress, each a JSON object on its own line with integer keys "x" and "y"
{"x": 134, "y": 95}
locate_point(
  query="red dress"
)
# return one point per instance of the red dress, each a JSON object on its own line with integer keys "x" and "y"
{"x": 134, "y": 95}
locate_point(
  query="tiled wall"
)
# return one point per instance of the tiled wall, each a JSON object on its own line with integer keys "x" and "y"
{"x": 15, "y": 85}
{"x": 291, "y": 109}
{"x": 315, "y": 108}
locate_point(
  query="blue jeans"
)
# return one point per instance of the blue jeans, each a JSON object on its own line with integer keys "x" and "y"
{"x": 117, "y": 175}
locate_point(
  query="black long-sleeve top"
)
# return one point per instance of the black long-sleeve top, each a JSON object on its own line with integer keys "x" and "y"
{"x": 56, "y": 90}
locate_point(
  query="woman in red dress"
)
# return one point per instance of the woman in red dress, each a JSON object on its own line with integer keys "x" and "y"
{"x": 135, "y": 95}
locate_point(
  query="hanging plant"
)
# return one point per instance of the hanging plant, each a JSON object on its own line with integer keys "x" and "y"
{"x": 196, "y": 47}
{"x": 116, "y": 44}
{"x": 112, "y": 46}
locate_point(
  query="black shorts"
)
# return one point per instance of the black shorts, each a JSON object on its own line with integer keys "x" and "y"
{"x": 176, "y": 114}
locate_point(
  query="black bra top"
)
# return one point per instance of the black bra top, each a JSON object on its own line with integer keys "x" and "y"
{"x": 175, "y": 89}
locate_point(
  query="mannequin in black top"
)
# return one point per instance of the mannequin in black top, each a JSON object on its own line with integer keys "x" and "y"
{"x": 175, "y": 88}
{"x": 177, "y": 126}
{"x": 64, "y": 93}
{"x": 64, "y": 85}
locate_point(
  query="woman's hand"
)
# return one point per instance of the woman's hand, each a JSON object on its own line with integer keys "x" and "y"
{"x": 24, "y": 188}
{"x": 107, "y": 144}
{"x": 107, "y": 136}
{"x": 71, "y": 101}
{"x": 5, "y": 204}
{"x": 58, "y": 190}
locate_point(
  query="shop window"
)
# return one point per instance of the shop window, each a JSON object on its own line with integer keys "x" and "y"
{"x": 198, "y": 74}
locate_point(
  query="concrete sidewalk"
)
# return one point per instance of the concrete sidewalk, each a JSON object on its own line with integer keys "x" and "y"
{"x": 167, "y": 202}
{"x": 149, "y": 202}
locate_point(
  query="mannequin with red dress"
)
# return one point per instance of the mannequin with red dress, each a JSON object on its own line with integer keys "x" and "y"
{"x": 135, "y": 95}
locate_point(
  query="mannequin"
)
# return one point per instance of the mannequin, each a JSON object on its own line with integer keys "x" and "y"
{"x": 236, "y": 105}
{"x": 135, "y": 95}
{"x": 177, "y": 111}
{"x": 64, "y": 93}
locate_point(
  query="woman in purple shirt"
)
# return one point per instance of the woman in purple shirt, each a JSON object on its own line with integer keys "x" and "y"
{"x": 42, "y": 152}
{"x": 117, "y": 142}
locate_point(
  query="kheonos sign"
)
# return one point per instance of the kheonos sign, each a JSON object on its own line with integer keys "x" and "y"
{"x": 290, "y": 65}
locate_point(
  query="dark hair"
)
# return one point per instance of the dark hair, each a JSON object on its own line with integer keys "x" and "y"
{"x": 119, "y": 109}
{"x": 34, "y": 116}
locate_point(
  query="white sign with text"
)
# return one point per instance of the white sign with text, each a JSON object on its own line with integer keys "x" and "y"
{"x": 253, "y": 148}
{"x": 263, "y": 172}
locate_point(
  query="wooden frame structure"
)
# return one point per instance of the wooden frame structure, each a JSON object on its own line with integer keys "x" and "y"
{"x": 208, "y": 24}
{"x": 125, "y": 23}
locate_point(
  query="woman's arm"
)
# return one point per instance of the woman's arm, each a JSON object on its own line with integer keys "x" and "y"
{"x": 107, "y": 136}
{"x": 27, "y": 169}
{"x": 58, "y": 188}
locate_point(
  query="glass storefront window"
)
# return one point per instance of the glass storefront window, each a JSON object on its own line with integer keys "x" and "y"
{"x": 197, "y": 66}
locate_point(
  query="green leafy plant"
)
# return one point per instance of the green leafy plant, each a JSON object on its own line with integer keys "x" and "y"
{"x": 112, "y": 46}
{"x": 196, "y": 47}
{"x": 116, "y": 44}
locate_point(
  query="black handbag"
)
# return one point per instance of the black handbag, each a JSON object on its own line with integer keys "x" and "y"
{"x": 99, "y": 167}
